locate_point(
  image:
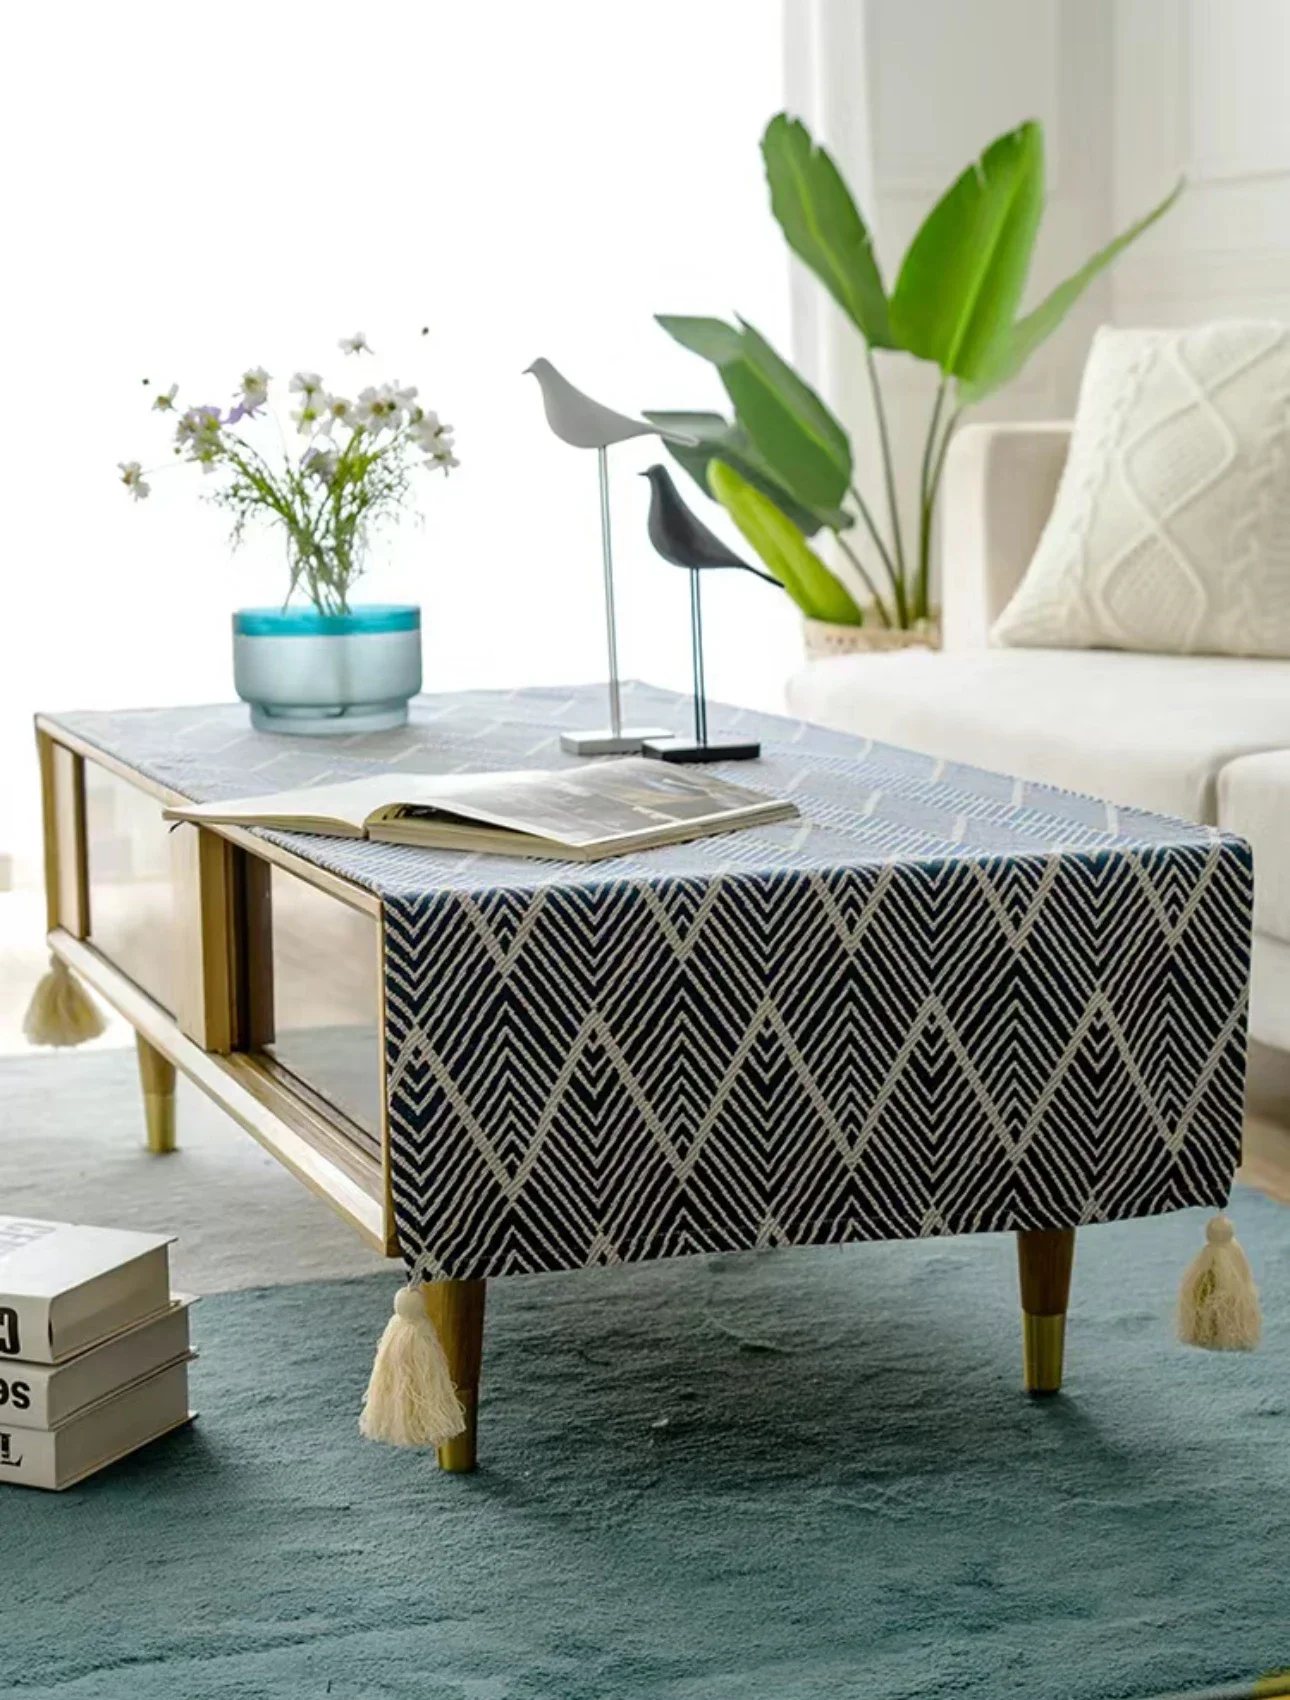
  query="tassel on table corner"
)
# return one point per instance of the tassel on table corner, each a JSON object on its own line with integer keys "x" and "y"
{"x": 411, "y": 1400}
{"x": 1218, "y": 1303}
{"x": 61, "y": 1011}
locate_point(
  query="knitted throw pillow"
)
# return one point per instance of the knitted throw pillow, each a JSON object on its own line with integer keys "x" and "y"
{"x": 1171, "y": 527}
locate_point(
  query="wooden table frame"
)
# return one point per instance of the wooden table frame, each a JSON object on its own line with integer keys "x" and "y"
{"x": 219, "y": 877}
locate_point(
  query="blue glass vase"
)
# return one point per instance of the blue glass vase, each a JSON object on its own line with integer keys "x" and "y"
{"x": 320, "y": 674}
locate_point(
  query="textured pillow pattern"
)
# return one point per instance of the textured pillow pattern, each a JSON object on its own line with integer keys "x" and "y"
{"x": 1171, "y": 528}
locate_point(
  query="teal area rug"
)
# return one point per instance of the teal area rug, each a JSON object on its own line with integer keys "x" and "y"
{"x": 796, "y": 1474}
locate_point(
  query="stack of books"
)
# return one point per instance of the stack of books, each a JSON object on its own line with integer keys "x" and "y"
{"x": 94, "y": 1349}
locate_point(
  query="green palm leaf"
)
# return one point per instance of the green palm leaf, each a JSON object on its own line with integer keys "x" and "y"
{"x": 715, "y": 438}
{"x": 1037, "y": 327}
{"x": 823, "y": 226}
{"x": 798, "y": 438}
{"x": 783, "y": 548}
{"x": 962, "y": 279}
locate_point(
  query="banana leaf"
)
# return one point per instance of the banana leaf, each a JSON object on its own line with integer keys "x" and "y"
{"x": 1028, "y": 333}
{"x": 823, "y": 226}
{"x": 962, "y": 278}
{"x": 712, "y": 339}
{"x": 802, "y": 444}
{"x": 718, "y": 438}
{"x": 782, "y": 547}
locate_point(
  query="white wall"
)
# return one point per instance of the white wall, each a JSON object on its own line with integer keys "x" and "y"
{"x": 1202, "y": 89}
{"x": 191, "y": 190}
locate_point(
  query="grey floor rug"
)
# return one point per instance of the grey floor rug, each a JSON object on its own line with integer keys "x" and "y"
{"x": 72, "y": 1148}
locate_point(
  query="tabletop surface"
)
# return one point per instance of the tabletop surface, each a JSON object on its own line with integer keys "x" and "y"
{"x": 860, "y": 802}
{"x": 942, "y": 1001}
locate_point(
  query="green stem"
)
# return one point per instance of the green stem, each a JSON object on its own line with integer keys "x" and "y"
{"x": 927, "y": 515}
{"x": 878, "y": 542}
{"x": 880, "y": 607}
{"x": 924, "y": 527}
{"x": 889, "y": 476}
{"x": 326, "y": 523}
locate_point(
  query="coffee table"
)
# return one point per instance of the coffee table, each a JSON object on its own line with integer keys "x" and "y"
{"x": 943, "y": 1001}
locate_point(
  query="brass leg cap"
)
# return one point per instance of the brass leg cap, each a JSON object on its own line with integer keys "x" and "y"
{"x": 1043, "y": 1341}
{"x": 459, "y": 1454}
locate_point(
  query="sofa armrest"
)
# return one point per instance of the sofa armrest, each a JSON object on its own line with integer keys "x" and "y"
{"x": 1000, "y": 481}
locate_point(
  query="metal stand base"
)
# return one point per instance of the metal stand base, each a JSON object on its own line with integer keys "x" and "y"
{"x": 626, "y": 741}
{"x": 686, "y": 749}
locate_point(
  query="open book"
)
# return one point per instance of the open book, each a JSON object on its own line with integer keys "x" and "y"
{"x": 573, "y": 814}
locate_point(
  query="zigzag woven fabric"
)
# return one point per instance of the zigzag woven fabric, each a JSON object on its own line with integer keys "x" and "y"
{"x": 943, "y": 1001}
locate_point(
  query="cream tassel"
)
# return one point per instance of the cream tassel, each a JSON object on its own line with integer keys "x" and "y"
{"x": 61, "y": 1011}
{"x": 1218, "y": 1304}
{"x": 411, "y": 1400}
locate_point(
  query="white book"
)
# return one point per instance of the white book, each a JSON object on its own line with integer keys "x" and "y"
{"x": 59, "y": 1457}
{"x": 65, "y": 1286}
{"x": 580, "y": 814}
{"x": 46, "y": 1395}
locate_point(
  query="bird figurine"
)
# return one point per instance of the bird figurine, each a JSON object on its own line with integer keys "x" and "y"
{"x": 682, "y": 539}
{"x": 578, "y": 420}
{"x": 680, "y": 536}
{"x": 587, "y": 424}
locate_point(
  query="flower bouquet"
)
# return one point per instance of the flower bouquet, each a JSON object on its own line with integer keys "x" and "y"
{"x": 316, "y": 663}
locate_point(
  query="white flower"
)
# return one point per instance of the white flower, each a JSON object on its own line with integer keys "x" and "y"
{"x": 336, "y": 409}
{"x": 132, "y": 478}
{"x": 255, "y": 386}
{"x": 306, "y": 416}
{"x": 404, "y": 398}
{"x": 165, "y": 401}
{"x": 198, "y": 432}
{"x": 442, "y": 456}
{"x": 377, "y": 409}
{"x": 430, "y": 433}
{"x": 356, "y": 344}
{"x": 307, "y": 384}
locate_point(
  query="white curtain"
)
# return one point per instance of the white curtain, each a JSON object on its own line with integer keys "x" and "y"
{"x": 827, "y": 65}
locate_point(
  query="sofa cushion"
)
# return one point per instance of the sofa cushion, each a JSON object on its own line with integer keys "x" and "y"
{"x": 1254, "y": 800}
{"x": 1171, "y": 527}
{"x": 1147, "y": 730}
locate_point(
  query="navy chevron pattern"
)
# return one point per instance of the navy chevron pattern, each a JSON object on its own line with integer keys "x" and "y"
{"x": 942, "y": 1002}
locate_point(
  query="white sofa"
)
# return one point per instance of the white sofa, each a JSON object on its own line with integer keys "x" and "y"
{"x": 1206, "y": 737}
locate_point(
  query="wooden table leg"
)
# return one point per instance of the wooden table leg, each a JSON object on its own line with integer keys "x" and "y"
{"x": 457, "y": 1310}
{"x": 157, "y": 1074}
{"x": 1044, "y": 1259}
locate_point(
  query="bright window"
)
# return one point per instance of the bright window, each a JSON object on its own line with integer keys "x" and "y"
{"x": 193, "y": 191}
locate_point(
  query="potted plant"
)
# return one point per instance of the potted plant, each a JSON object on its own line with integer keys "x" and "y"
{"x": 317, "y": 663}
{"x": 783, "y": 465}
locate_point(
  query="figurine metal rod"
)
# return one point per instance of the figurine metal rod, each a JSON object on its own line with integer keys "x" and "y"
{"x": 611, "y": 623}
{"x": 696, "y": 642}
{"x": 584, "y": 423}
{"x": 682, "y": 539}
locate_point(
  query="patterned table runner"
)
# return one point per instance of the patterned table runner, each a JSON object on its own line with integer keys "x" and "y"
{"x": 943, "y": 1001}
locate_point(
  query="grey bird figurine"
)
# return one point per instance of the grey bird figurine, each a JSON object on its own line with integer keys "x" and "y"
{"x": 586, "y": 424}
{"x": 681, "y": 538}
{"x": 577, "y": 419}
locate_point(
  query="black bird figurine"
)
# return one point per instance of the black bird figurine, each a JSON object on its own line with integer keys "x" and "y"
{"x": 682, "y": 539}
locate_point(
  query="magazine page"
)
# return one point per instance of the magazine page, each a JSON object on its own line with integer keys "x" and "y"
{"x": 588, "y": 805}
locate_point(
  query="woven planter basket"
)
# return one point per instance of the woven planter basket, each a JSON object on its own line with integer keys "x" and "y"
{"x": 823, "y": 638}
